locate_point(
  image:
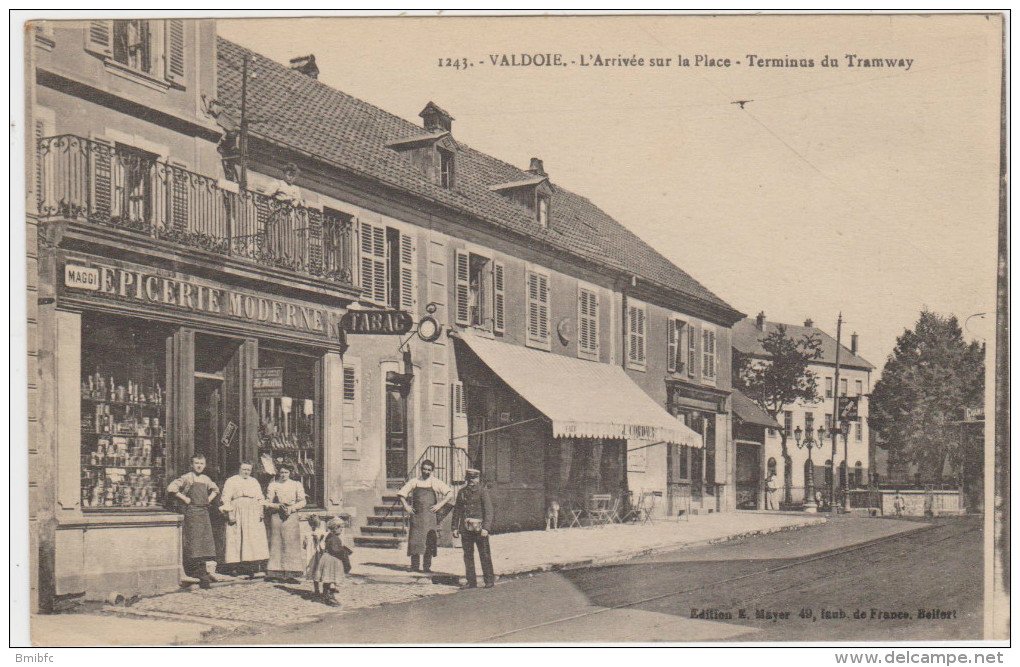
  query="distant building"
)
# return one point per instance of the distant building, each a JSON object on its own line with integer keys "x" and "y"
{"x": 854, "y": 380}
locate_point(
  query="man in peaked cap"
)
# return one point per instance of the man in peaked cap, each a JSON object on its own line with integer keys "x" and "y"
{"x": 472, "y": 520}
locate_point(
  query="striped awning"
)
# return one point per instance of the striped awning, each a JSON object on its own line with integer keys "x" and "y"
{"x": 582, "y": 399}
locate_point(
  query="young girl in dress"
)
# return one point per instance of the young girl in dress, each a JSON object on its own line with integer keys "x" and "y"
{"x": 329, "y": 569}
{"x": 314, "y": 543}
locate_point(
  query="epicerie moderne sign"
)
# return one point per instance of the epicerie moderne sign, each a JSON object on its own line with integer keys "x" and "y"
{"x": 188, "y": 294}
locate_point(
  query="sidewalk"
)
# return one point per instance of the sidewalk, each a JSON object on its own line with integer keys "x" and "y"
{"x": 383, "y": 577}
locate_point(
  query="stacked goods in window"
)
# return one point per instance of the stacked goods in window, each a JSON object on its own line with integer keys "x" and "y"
{"x": 123, "y": 441}
{"x": 287, "y": 435}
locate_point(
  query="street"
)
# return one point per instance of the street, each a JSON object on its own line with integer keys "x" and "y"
{"x": 849, "y": 579}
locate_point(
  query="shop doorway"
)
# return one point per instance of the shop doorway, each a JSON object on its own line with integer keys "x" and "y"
{"x": 396, "y": 432}
{"x": 217, "y": 407}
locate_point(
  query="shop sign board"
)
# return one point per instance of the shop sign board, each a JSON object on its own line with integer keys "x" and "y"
{"x": 267, "y": 383}
{"x": 91, "y": 280}
{"x": 228, "y": 434}
{"x": 848, "y": 408}
{"x": 379, "y": 322}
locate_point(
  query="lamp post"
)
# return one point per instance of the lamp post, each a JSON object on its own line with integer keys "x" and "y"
{"x": 846, "y": 468}
{"x": 805, "y": 438}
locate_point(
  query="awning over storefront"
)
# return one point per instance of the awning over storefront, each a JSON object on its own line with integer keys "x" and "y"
{"x": 582, "y": 399}
{"x": 748, "y": 411}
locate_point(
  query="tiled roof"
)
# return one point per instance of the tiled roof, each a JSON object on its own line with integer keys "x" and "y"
{"x": 291, "y": 109}
{"x": 749, "y": 412}
{"x": 747, "y": 339}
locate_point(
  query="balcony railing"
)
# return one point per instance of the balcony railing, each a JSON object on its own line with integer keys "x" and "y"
{"x": 124, "y": 188}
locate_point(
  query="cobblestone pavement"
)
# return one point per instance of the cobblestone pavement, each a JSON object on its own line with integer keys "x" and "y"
{"x": 271, "y": 603}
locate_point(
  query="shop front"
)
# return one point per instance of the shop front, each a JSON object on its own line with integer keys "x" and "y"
{"x": 698, "y": 479}
{"x": 750, "y": 423}
{"x": 551, "y": 429}
{"x": 154, "y": 366}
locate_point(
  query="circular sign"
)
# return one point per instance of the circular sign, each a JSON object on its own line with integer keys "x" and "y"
{"x": 429, "y": 329}
{"x": 565, "y": 330}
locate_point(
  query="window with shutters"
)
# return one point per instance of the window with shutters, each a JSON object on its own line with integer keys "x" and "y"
{"x": 388, "y": 267}
{"x": 587, "y": 323}
{"x": 538, "y": 310}
{"x": 708, "y": 356}
{"x": 675, "y": 353}
{"x": 155, "y": 49}
{"x": 480, "y": 291}
{"x": 352, "y": 410}
{"x": 637, "y": 325}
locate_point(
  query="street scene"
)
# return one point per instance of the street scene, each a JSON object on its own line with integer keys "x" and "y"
{"x": 311, "y": 361}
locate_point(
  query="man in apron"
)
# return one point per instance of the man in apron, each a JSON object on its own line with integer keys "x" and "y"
{"x": 422, "y": 497}
{"x": 196, "y": 491}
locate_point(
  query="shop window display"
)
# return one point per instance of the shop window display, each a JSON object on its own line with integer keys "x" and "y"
{"x": 288, "y": 430}
{"x": 123, "y": 414}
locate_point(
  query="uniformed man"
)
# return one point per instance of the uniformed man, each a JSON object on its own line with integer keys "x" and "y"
{"x": 472, "y": 520}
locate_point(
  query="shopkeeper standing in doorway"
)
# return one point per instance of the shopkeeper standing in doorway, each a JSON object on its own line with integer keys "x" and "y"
{"x": 422, "y": 497}
{"x": 196, "y": 491}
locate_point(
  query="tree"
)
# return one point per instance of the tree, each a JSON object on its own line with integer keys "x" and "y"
{"x": 929, "y": 379}
{"x": 782, "y": 378}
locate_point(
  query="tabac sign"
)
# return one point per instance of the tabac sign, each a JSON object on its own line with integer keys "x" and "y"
{"x": 152, "y": 290}
{"x": 392, "y": 322}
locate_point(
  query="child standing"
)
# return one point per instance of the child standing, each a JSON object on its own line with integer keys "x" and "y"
{"x": 314, "y": 543}
{"x": 331, "y": 568}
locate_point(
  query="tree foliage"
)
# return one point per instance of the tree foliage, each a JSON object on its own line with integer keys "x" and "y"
{"x": 785, "y": 376}
{"x": 929, "y": 379}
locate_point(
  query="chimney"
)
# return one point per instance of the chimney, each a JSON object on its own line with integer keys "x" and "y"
{"x": 853, "y": 342}
{"x": 306, "y": 65}
{"x": 537, "y": 168}
{"x": 760, "y": 321}
{"x": 436, "y": 119}
{"x": 809, "y": 323}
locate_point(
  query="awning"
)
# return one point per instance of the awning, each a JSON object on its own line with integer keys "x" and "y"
{"x": 748, "y": 411}
{"x": 583, "y": 399}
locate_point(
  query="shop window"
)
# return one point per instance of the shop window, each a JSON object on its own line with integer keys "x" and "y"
{"x": 288, "y": 430}
{"x": 587, "y": 323}
{"x": 123, "y": 414}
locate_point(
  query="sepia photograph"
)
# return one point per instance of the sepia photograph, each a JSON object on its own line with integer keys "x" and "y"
{"x": 536, "y": 329}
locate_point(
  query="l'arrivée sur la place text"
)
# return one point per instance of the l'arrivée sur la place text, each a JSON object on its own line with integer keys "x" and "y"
{"x": 622, "y": 61}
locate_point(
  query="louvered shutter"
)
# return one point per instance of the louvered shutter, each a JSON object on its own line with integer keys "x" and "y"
{"x": 39, "y": 133}
{"x": 352, "y": 410}
{"x": 458, "y": 413}
{"x": 671, "y": 345}
{"x": 99, "y": 38}
{"x": 538, "y": 308}
{"x": 588, "y": 328}
{"x": 636, "y": 328}
{"x": 462, "y": 291}
{"x": 101, "y": 169}
{"x": 498, "y": 297}
{"x": 543, "y": 299}
{"x": 175, "y": 50}
{"x": 692, "y": 352}
{"x": 407, "y": 265}
{"x": 708, "y": 353}
{"x": 373, "y": 263}
{"x": 640, "y": 320}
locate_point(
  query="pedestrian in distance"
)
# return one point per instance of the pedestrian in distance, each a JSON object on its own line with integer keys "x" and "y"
{"x": 245, "y": 545}
{"x": 770, "y": 491}
{"x": 196, "y": 492}
{"x": 422, "y": 498}
{"x": 472, "y": 521}
{"x": 898, "y": 504}
{"x": 332, "y": 564}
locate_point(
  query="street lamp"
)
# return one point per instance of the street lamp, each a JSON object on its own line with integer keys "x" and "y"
{"x": 805, "y": 438}
{"x": 846, "y": 468}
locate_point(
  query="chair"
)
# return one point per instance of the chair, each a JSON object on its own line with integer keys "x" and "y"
{"x": 576, "y": 514}
{"x": 641, "y": 513}
{"x": 601, "y": 509}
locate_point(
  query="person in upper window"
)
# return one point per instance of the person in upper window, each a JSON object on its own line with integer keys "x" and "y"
{"x": 423, "y": 497}
{"x": 196, "y": 492}
{"x": 286, "y": 190}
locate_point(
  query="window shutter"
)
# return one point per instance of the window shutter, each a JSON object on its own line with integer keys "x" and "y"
{"x": 708, "y": 353}
{"x": 498, "y": 297}
{"x": 175, "y": 50}
{"x": 543, "y": 299}
{"x": 458, "y": 411}
{"x": 461, "y": 289}
{"x": 373, "y": 263}
{"x": 538, "y": 308}
{"x": 99, "y": 38}
{"x": 408, "y": 297}
{"x": 352, "y": 410}
{"x": 640, "y": 320}
{"x": 692, "y": 352}
{"x": 671, "y": 350}
{"x": 588, "y": 326}
{"x": 101, "y": 167}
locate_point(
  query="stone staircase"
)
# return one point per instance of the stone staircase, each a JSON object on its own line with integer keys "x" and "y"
{"x": 386, "y": 527}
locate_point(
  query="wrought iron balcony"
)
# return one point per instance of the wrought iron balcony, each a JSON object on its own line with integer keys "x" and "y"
{"x": 124, "y": 188}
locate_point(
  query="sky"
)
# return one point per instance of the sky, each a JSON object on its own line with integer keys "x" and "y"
{"x": 872, "y": 192}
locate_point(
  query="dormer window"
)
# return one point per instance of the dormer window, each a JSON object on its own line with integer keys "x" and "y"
{"x": 543, "y": 210}
{"x": 446, "y": 168}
